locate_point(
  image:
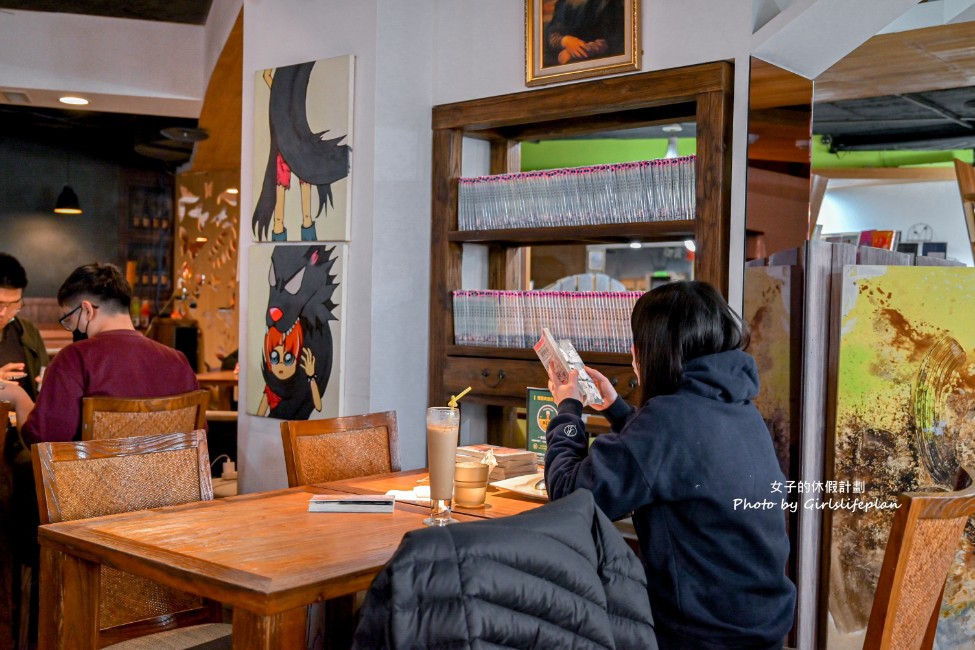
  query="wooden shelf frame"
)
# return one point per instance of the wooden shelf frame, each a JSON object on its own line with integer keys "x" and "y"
{"x": 610, "y": 233}
{"x": 702, "y": 93}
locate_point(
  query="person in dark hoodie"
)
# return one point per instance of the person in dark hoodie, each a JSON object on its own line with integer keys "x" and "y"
{"x": 686, "y": 464}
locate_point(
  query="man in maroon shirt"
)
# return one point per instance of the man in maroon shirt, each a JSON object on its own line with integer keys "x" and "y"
{"x": 109, "y": 357}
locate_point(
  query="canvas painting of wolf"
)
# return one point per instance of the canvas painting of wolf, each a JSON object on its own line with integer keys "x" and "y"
{"x": 294, "y": 341}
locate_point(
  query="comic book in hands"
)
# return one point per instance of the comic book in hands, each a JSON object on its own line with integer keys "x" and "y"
{"x": 563, "y": 356}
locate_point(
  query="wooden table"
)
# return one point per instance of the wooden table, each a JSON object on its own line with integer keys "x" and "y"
{"x": 499, "y": 503}
{"x": 221, "y": 384}
{"x": 262, "y": 554}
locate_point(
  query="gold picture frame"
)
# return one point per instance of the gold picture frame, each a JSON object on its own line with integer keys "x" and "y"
{"x": 576, "y": 39}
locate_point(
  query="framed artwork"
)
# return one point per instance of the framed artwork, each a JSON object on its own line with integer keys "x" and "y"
{"x": 903, "y": 423}
{"x": 772, "y": 308}
{"x": 303, "y": 151}
{"x": 295, "y": 331}
{"x": 574, "y": 39}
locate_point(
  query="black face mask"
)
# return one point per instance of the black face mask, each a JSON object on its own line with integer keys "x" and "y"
{"x": 78, "y": 335}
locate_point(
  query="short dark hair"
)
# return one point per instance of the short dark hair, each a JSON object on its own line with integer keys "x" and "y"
{"x": 103, "y": 284}
{"x": 12, "y": 274}
{"x": 675, "y": 323}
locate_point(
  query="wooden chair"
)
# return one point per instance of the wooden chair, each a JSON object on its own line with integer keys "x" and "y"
{"x": 316, "y": 451}
{"x": 105, "y": 418}
{"x": 924, "y": 538}
{"x": 78, "y": 480}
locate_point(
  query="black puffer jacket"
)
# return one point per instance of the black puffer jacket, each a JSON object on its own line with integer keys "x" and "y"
{"x": 560, "y": 576}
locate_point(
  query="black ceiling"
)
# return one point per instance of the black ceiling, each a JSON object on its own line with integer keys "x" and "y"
{"x": 190, "y": 12}
{"x": 926, "y": 121}
{"x": 131, "y": 140}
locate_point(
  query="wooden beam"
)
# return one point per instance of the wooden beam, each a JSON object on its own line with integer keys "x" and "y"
{"x": 903, "y": 174}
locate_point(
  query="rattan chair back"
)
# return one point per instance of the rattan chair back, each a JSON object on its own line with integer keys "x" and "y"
{"x": 106, "y": 418}
{"x": 923, "y": 542}
{"x": 318, "y": 451}
{"x": 78, "y": 480}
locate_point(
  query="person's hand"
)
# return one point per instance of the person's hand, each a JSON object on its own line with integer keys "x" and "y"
{"x": 10, "y": 391}
{"x": 576, "y": 47}
{"x": 308, "y": 362}
{"x": 12, "y": 371}
{"x": 561, "y": 390}
{"x": 597, "y": 47}
{"x": 605, "y": 389}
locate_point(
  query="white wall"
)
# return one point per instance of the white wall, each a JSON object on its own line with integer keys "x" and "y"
{"x": 132, "y": 66}
{"x": 400, "y": 253}
{"x": 898, "y": 207}
{"x": 223, "y": 15}
{"x": 387, "y": 292}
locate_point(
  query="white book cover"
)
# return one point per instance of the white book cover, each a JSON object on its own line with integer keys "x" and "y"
{"x": 563, "y": 356}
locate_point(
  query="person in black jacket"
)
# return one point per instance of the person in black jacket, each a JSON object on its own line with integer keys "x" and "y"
{"x": 695, "y": 466}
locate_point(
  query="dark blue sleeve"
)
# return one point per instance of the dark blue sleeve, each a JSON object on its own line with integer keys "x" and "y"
{"x": 618, "y": 414}
{"x": 607, "y": 468}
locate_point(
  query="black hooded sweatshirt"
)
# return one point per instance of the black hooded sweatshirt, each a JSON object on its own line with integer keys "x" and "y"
{"x": 686, "y": 465}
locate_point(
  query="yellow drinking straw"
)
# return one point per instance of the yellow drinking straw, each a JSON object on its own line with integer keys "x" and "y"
{"x": 456, "y": 398}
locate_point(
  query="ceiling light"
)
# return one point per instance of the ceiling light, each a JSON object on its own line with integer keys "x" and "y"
{"x": 635, "y": 244}
{"x": 233, "y": 190}
{"x": 74, "y": 101}
{"x": 67, "y": 202}
{"x": 690, "y": 245}
{"x": 672, "y": 128}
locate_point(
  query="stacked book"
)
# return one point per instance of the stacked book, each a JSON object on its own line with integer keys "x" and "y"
{"x": 511, "y": 462}
{"x": 595, "y": 321}
{"x": 629, "y": 192}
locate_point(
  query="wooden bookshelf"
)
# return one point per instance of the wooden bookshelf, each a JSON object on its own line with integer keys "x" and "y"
{"x": 702, "y": 93}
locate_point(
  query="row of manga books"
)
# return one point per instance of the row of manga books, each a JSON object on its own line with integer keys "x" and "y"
{"x": 632, "y": 192}
{"x": 596, "y": 321}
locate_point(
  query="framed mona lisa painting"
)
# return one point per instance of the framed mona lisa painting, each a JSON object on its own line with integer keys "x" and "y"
{"x": 574, "y": 39}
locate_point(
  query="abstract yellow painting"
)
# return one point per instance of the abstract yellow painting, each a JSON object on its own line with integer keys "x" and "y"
{"x": 905, "y": 394}
{"x": 769, "y": 313}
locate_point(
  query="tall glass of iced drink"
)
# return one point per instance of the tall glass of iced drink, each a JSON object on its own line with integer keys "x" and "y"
{"x": 443, "y": 424}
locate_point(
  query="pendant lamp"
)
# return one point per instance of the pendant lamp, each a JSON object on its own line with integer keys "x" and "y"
{"x": 67, "y": 202}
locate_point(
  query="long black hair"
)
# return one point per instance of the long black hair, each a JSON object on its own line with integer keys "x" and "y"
{"x": 675, "y": 323}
